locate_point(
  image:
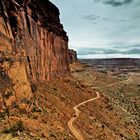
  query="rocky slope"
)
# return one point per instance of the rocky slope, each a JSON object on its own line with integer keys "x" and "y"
{"x": 112, "y": 116}
{"x": 33, "y": 48}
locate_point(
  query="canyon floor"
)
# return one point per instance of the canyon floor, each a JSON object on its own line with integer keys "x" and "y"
{"x": 72, "y": 104}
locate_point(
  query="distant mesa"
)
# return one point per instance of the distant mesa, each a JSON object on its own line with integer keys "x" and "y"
{"x": 72, "y": 56}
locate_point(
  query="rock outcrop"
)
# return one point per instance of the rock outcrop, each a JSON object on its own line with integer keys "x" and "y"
{"x": 33, "y": 47}
{"x": 72, "y": 56}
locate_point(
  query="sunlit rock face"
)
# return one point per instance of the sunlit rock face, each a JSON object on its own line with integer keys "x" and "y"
{"x": 33, "y": 48}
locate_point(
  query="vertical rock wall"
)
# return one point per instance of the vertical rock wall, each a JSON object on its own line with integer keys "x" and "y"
{"x": 33, "y": 47}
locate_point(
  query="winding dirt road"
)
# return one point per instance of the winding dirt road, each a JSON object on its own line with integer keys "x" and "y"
{"x": 75, "y": 131}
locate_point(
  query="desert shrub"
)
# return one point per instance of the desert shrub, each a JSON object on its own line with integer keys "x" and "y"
{"x": 33, "y": 88}
{"x": 8, "y": 94}
{"x": 4, "y": 113}
{"x": 26, "y": 101}
{"x": 23, "y": 111}
{"x": 15, "y": 105}
{"x": 35, "y": 109}
{"x": 36, "y": 138}
{"x": 52, "y": 135}
{"x": 13, "y": 129}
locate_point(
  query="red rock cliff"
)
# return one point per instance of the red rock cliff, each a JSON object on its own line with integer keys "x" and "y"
{"x": 72, "y": 56}
{"x": 33, "y": 47}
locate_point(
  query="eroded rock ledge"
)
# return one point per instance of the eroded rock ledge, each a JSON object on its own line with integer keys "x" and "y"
{"x": 33, "y": 47}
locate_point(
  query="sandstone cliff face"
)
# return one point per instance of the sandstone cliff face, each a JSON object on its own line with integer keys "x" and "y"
{"x": 72, "y": 56}
{"x": 33, "y": 47}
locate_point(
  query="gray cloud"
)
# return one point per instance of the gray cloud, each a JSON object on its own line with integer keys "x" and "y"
{"x": 108, "y": 51}
{"x": 87, "y": 51}
{"x": 132, "y": 51}
{"x": 115, "y": 3}
{"x": 106, "y": 19}
{"x": 122, "y": 20}
{"x": 91, "y": 17}
{"x": 123, "y": 46}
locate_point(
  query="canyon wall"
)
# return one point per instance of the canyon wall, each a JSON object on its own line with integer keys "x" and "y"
{"x": 72, "y": 55}
{"x": 33, "y": 48}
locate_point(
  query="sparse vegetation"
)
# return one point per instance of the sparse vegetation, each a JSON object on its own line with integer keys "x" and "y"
{"x": 35, "y": 109}
{"x": 8, "y": 94}
{"x": 33, "y": 88}
{"x": 4, "y": 113}
{"x": 26, "y": 101}
{"x": 14, "y": 105}
{"x": 13, "y": 129}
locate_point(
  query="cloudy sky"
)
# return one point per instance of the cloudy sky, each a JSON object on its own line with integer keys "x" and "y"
{"x": 102, "y": 28}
